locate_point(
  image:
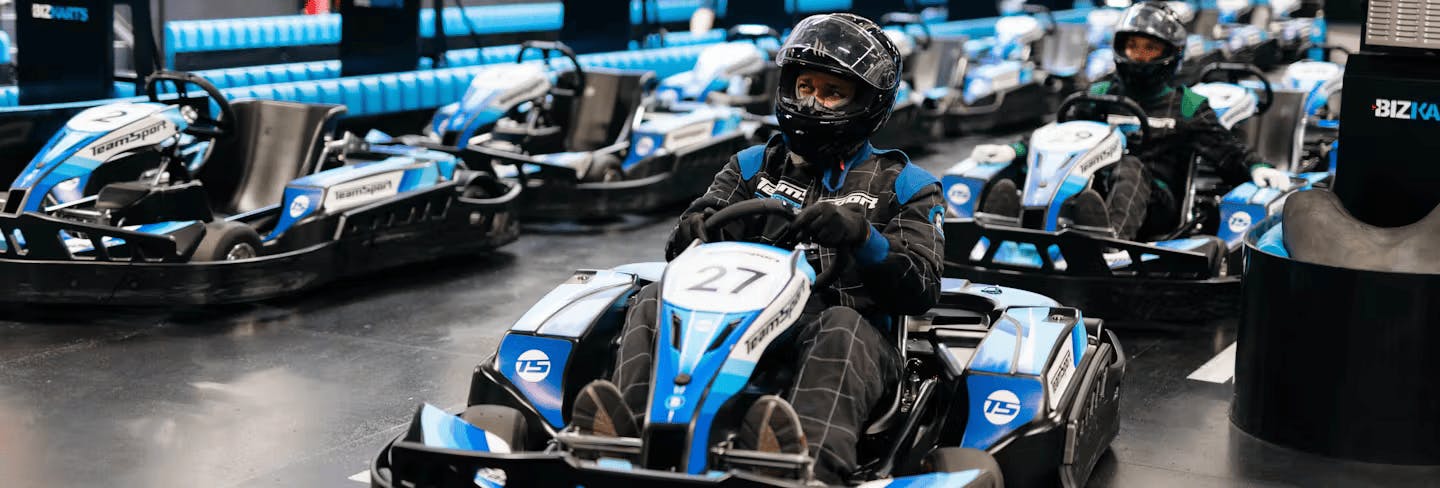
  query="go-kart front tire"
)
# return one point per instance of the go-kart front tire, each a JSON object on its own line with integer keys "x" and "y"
{"x": 504, "y": 422}
{"x": 604, "y": 169}
{"x": 958, "y": 459}
{"x": 227, "y": 241}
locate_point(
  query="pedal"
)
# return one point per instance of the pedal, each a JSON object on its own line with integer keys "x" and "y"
{"x": 796, "y": 466}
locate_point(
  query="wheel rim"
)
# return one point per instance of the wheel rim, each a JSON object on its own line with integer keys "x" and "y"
{"x": 240, "y": 251}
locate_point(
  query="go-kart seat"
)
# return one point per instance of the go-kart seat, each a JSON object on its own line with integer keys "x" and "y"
{"x": 274, "y": 142}
{"x": 1275, "y": 134}
{"x": 939, "y": 65}
{"x": 600, "y": 116}
{"x": 1319, "y": 230}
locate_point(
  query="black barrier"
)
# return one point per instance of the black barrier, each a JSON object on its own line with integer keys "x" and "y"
{"x": 1385, "y": 174}
{"x": 68, "y": 49}
{"x": 593, "y": 26}
{"x": 971, "y": 9}
{"x": 772, "y": 14}
{"x": 1339, "y": 362}
{"x": 379, "y": 36}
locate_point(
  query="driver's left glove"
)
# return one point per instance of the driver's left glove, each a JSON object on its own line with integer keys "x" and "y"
{"x": 1266, "y": 176}
{"x": 834, "y": 226}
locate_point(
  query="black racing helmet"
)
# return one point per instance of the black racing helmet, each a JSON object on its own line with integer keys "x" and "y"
{"x": 846, "y": 46}
{"x": 1156, "y": 21}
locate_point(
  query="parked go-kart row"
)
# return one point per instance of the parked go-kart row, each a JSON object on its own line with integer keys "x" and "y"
{"x": 194, "y": 199}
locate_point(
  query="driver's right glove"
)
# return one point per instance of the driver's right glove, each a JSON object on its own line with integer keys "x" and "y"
{"x": 691, "y": 227}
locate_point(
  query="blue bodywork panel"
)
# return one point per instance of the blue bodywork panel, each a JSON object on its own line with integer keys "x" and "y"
{"x": 536, "y": 366}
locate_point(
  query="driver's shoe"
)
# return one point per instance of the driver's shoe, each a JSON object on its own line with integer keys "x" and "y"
{"x": 1087, "y": 209}
{"x": 600, "y": 410}
{"x": 771, "y": 425}
{"x": 1003, "y": 199}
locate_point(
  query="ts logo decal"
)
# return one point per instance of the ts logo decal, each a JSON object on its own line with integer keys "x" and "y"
{"x": 533, "y": 366}
{"x": 1001, "y": 407}
{"x": 1238, "y": 222}
{"x": 298, "y": 206}
{"x": 959, "y": 194}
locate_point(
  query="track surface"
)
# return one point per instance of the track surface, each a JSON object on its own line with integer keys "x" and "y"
{"x": 303, "y": 392}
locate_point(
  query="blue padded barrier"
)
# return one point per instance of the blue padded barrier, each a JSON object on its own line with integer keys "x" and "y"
{"x": 4, "y": 47}
{"x": 10, "y": 95}
{"x": 430, "y": 89}
{"x": 188, "y": 36}
{"x": 664, "y": 11}
{"x": 495, "y": 19}
{"x": 803, "y": 7}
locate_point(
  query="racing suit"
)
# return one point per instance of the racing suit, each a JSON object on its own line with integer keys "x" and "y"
{"x": 848, "y": 366}
{"x": 1142, "y": 190}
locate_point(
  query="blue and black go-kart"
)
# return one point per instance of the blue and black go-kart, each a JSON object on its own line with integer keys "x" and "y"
{"x": 999, "y": 383}
{"x": 1030, "y": 63}
{"x": 199, "y": 200}
{"x": 1186, "y": 273}
{"x": 583, "y": 138}
{"x": 740, "y": 72}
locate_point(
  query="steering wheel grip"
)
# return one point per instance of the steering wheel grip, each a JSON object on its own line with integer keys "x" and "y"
{"x": 547, "y": 47}
{"x": 1237, "y": 71}
{"x": 772, "y": 207}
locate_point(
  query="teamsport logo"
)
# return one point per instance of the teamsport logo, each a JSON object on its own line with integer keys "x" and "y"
{"x": 533, "y": 366}
{"x": 128, "y": 139}
{"x": 784, "y": 188}
{"x": 860, "y": 198}
{"x": 1405, "y": 109}
{"x": 298, "y": 206}
{"x": 363, "y": 190}
{"x": 1239, "y": 221}
{"x": 61, "y": 12}
{"x": 1001, "y": 407}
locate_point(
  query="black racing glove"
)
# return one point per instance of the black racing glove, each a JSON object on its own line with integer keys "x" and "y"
{"x": 691, "y": 227}
{"x": 833, "y": 226}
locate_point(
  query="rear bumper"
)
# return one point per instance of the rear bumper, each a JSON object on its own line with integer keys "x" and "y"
{"x": 391, "y": 233}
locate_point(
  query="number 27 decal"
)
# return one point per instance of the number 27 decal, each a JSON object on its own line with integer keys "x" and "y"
{"x": 718, "y": 272}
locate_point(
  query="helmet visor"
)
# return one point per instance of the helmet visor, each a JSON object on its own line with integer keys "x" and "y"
{"x": 834, "y": 41}
{"x": 823, "y": 93}
{"x": 1152, "y": 19}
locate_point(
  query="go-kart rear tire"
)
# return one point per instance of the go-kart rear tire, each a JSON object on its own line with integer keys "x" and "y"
{"x": 227, "y": 241}
{"x": 504, "y": 422}
{"x": 957, "y": 459}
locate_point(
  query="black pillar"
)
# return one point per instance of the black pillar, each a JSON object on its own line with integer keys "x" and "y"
{"x": 593, "y": 26}
{"x": 379, "y": 36}
{"x": 66, "y": 50}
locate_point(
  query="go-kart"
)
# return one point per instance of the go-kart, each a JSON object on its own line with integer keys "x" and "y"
{"x": 584, "y": 142}
{"x": 1188, "y": 272}
{"x": 1029, "y": 64}
{"x": 739, "y": 72}
{"x": 164, "y": 203}
{"x": 1319, "y": 83}
{"x": 999, "y": 382}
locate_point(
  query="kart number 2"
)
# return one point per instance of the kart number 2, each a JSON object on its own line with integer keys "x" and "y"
{"x": 713, "y": 274}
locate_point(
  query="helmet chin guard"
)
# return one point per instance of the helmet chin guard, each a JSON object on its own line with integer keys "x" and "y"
{"x": 1156, "y": 21}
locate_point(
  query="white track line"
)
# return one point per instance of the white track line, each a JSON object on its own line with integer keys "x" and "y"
{"x": 362, "y": 477}
{"x": 1218, "y": 369}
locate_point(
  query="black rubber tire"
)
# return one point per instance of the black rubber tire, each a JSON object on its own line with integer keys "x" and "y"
{"x": 221, "y": 238}
{"x": 957, "y": 459}
{"x": 504, "y": 422}
{"x": 605, "y": 168}
{"x": 482, "y": 186}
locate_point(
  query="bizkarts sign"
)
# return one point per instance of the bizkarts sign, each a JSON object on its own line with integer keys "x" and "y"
{"x": 1406, "y": 110}
{"x": 59, "y": 12}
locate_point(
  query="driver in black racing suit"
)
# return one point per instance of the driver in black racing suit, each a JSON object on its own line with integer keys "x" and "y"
{"x": 1141, "y": 191}
{"x": 839, "y": 75}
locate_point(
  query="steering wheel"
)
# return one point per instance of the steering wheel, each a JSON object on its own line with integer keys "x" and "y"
{"x": 548, "y": 47}
{"x": 904, "y": 20}
{"x": 1103, "y": 105}
{"x": 205, "y": 124}
{"x": 1234, "y": 72}
{"x": 783, "y": 237}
